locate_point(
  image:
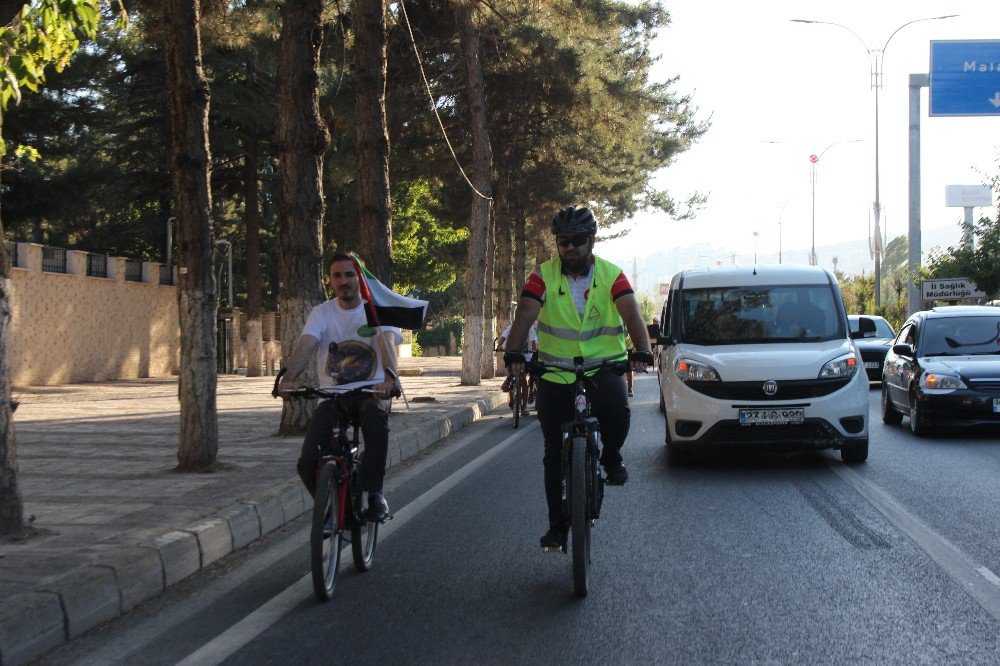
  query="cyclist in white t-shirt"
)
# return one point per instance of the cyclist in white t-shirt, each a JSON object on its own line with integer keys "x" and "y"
{"x": 527, "y": 382}
{"x": 349, "y": 354}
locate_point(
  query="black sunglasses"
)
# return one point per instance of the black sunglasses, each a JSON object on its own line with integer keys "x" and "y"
{"x": 577, "y": 239}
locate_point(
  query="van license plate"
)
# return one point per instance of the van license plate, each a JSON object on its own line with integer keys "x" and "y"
{"x": 787, "y": 416}
{"x": 871, "y": 365}
{"x": 996, "y": 405}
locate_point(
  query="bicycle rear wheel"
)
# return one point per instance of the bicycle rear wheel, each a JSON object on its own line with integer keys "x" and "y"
{"x": 579, "y": 503}
{"x": 324, "y": 543}
{"x": 515, "y": 391}
{"x": 363, "y": 540}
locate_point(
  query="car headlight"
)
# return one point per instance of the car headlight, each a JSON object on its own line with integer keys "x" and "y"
{"x": 936, "y": 381}
{"x": 843, "y": 366}
{"x": 692, "y": 371}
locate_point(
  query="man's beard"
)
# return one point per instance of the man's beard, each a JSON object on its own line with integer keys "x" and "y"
{"x": 578, "y": 263}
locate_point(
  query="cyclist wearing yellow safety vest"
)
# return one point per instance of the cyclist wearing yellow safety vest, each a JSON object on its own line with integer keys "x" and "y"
{"x": 581, "y": 302}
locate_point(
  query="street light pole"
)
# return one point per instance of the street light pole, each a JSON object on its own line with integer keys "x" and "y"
{"x": 875, "y": 58}
{"x": 813, "y": 161}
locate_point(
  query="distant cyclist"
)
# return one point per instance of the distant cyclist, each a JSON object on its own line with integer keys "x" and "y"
{"x": 351, "y": 354}
{"x": 583, "y": 305}
{"x": 508, "y": 384}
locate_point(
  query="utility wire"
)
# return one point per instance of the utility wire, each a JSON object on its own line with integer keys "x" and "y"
{"x": 427, "y": 86}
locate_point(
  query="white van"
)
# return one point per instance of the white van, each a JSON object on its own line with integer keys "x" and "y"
{"x": 760, "y": 357}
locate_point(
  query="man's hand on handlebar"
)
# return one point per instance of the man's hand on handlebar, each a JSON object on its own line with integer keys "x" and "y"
{"x": 640, "y": 360}
{"x": 514, "y": 361}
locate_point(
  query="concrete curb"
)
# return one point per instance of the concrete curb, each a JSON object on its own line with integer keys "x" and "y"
{"x": 86, "y": 596}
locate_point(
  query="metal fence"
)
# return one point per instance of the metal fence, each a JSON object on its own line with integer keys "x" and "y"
{"x": 133, "y": 270}
{"x": 11, "y": 252}
{"x": 53, "y": 259}
{"x": 97, "y": 265}
{"x": 166, "y": 274}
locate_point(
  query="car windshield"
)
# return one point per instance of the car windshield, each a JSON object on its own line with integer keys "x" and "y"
{"x": 960, "y": 336}
{"x": 759, "y": 314}
{"x": 882, "y": 328}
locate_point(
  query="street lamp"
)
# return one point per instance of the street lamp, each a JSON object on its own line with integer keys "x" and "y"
{"x": 875, "y": 58}
{"x": 813, "y": 161}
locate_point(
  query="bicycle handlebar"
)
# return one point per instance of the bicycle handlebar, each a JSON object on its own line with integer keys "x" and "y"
{"x": 314, "y": 392}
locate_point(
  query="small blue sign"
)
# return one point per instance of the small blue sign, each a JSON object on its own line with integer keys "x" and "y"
{"x": 965, "y": 78}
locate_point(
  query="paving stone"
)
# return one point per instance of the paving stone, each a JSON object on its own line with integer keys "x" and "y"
{"x": 244, "y": 526}
{"x": 139, "y": 573}
{"x": 89, "y": 597}
{"x": 215, "y": 541}
{"x": 179, "y": 555}
{"x": 30, "y": 624}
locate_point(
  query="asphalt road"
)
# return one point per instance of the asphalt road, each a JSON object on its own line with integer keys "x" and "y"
{"x": 790, "y": 558}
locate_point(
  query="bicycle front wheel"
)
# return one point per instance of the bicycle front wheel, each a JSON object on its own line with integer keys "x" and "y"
{"x": 324, "y": 539}
{"x": 363, "y": 539}
{"x": 580, "y": 515}
{"x": 516, "y": 400}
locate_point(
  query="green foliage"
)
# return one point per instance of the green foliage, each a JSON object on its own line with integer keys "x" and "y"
{"x": 425, "y": 247}
{"x": 445, "y": 333}
{"x": 981, "y": 265}
{"x": 44, "y": 34}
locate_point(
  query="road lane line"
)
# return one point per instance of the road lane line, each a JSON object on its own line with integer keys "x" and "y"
{"x": 231, "y": 640}
{"x": 976, "y": 580}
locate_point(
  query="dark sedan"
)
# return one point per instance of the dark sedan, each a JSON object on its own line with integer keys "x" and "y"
{"x": 873, "y": 346}
{"x": 944, "y": 369}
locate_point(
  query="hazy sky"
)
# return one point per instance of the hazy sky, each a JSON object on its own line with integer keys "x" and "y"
{"x": 762, "y": 78}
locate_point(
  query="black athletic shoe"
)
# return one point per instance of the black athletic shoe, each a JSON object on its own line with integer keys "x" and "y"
{"x": 378, "y": 508}
{"x": 554, "y": 540}
{"x": 617, "y": 474}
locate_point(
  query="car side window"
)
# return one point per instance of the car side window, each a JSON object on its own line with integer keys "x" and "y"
{"x": 908, "y": 335}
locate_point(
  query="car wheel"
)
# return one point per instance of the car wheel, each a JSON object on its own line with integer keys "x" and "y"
{"x": 918, "y": 424}
{"x": 890, "y": 414}
{"x": 675, "y": 455}
{"x": 856, "y": 453}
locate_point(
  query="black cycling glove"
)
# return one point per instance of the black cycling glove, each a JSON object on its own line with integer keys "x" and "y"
{"x": 641, "y": 355}
{"x": 512, "y": 357}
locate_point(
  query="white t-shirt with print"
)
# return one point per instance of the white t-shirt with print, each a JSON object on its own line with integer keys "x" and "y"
{"x": 532, "y": 336}
{"x": 358, "y": 357}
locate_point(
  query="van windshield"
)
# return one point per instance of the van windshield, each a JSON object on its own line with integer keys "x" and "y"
{"x": 759, "y": 314}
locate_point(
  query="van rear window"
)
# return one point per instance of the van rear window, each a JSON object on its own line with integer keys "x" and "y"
{"x": 759, "y": 314}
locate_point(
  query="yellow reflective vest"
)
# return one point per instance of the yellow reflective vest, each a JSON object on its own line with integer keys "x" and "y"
{"x": 563, "y": 334}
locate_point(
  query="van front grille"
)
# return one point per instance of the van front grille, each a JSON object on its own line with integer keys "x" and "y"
{"x": 794, "y": 389}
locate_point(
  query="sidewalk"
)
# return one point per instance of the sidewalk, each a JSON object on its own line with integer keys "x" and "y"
{"x": 115, "y": 524}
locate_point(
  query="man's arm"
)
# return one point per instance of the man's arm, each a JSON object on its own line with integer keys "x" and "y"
{"x": 305, "y": 347}
{"x": 527, "y": 313}
{"x": 387, "y": 344}
{"x": 628, "y": 308}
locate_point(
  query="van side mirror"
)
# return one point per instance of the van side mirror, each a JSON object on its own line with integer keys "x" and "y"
{"x": 653, "y": 330}
{"x": 866, "y": 329}
{"x": 902, "y": 349}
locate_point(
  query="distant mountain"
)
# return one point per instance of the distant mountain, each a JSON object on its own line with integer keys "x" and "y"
{"x": 852, "y": 258}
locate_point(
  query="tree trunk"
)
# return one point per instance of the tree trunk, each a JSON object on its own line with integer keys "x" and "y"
{"x": 251, "y": 196}
{"x": 503, "y": 234}
{"x": 11, "y": 506}
{"x": 520, "y": 251}
{"x": 302, "y": 140}
{"x": 479, "y": 222}
{"x": 372, "y": 138}
{"x": 489, "y": 310}
{"x": 188, "y": 100}
{"x": 542, "y": 250}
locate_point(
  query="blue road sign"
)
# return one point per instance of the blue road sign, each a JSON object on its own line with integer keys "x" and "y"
{"x": 965, "y": 78}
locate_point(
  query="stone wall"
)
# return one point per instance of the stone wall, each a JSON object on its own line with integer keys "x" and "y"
{"x": 71, "y": 327}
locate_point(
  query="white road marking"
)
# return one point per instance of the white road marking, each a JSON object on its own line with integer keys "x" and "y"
{"x": 230, "y": 641}
{"x": 976, "y": 580}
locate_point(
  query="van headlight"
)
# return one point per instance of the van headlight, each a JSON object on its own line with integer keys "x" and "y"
{"x": 843, "y": 366}
{"x": 936, "y": 381}
{"x": 692, "y": 371}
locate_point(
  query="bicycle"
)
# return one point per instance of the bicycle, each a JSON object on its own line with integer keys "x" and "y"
{"x": 338, "y": 506}
{"x": 517, "y": 401}
{"x": 582, "y": 483}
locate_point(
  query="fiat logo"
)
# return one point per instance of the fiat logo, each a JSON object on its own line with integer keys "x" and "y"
{"x": 770, "y": 387}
